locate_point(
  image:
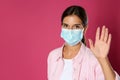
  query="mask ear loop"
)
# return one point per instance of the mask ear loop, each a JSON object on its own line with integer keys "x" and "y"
{"x": 83, "y": 30}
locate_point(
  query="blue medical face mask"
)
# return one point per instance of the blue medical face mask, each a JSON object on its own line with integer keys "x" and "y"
{"x": 72, "y": 37}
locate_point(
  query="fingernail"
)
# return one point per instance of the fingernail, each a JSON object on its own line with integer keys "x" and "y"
{"x": 104, "y": 26}
{"x": 89, "y": 40}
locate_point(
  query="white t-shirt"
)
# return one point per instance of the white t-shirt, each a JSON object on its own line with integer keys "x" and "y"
{"x": 68, "y": 70}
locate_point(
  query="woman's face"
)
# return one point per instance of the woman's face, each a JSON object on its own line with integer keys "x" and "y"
{"x": 76, "y": 32}
{"x": 72, "y": 22}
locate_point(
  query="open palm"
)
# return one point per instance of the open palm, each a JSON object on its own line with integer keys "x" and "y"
{"x": 102, "y": 43}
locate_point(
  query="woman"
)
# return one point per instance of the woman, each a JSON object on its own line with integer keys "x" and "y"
{"x": 74, "y": 60}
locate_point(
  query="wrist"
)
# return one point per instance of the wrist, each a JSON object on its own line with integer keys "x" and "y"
{"x": 102, "y": 59}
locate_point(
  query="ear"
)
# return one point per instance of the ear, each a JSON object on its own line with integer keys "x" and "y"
{"x": 85, "y": 29}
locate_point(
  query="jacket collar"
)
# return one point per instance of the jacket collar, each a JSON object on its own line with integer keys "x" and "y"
{"x": 78, "y": 57}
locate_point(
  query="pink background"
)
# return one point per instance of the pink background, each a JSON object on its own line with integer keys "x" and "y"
{"x": 30, "y": 29}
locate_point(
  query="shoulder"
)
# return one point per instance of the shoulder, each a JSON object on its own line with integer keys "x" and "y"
{"x": 94, "y": 65}
{"x": 55, "y": 53}
{"x": 91, "y": 57}
{"x": 92, "y": 61}
{"x": 88, "y": 52}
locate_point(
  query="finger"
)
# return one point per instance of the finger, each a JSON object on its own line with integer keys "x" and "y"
{"x": 106, "y": 35}
{"x": 102, "y": 33}
{"x": 109, "y": 39}
{"x": 91, "y": 44}
{"x": 97, "y": 33}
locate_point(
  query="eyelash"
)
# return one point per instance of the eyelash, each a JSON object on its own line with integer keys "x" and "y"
{"x": 64, "y": 25}
{"x": 77, "y": 26}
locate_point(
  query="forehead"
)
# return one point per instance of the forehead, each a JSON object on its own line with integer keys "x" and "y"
{"x": 72, "y": 19}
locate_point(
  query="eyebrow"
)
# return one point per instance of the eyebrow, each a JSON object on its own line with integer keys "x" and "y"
{"x": 67, "y": 24}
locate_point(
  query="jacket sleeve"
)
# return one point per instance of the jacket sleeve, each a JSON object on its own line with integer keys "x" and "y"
{"x": 117, "y": 76}
{"x": 100, "y": 75}
{"x": 48, "y": 66}
{"x": 98, "y": 72}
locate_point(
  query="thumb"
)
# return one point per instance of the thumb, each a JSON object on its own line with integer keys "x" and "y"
{"x": 91, "y": 44}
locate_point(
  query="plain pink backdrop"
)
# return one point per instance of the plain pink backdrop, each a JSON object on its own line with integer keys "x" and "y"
{"x": 30, "y": 29}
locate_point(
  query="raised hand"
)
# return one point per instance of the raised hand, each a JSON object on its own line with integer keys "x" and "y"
{"x": 102, "y": 43}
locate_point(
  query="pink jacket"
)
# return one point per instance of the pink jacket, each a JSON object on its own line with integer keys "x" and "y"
{"x": 86, "y": 66}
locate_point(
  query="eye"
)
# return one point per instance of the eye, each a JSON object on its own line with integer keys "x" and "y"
{"x": 77, "y": 27}
{"x": 65, "y": 25}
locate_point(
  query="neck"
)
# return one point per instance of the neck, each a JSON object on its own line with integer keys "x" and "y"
{"x": 72, "y": 48}
{"x": 71, "y": 51}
